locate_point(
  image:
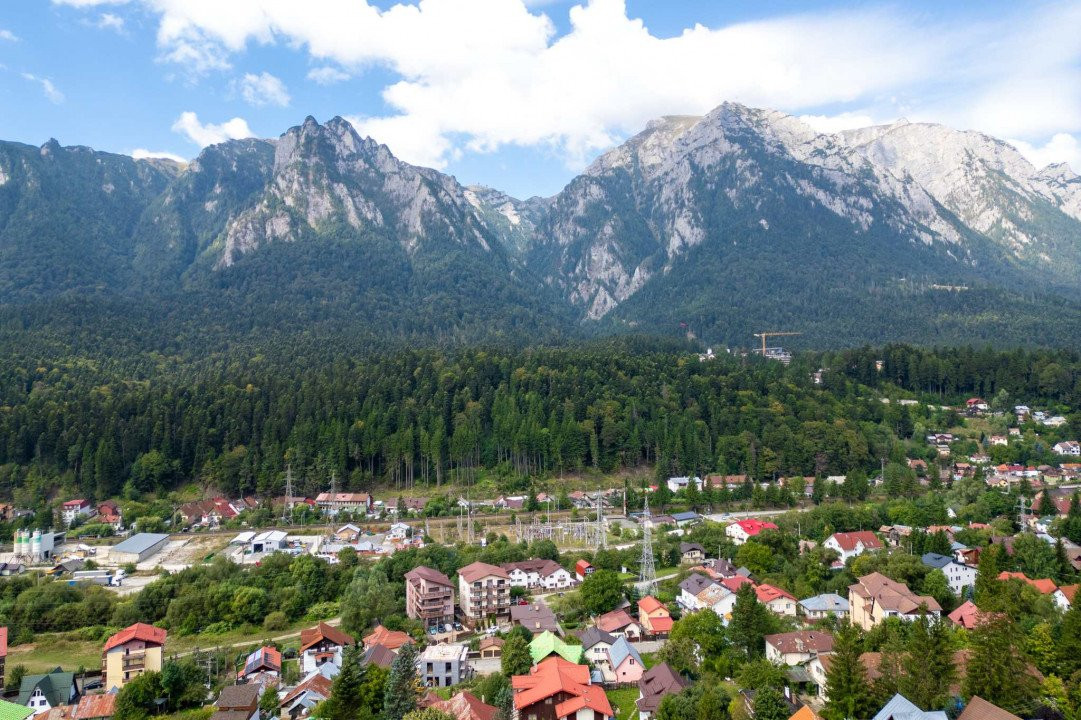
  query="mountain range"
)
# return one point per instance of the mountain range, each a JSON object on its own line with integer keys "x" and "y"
{"x": 738, "y": 221}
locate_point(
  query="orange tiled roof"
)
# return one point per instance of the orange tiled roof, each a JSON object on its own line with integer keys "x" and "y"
{"x": 138, "y": 631}
{"x": 390, "y": 639}
{"x": 321, "y": 632}
{"x": 556, "y": 675}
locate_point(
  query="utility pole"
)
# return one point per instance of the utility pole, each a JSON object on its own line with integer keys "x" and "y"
{"x": 647, "y": 572}
{"x": 287, "y": 508}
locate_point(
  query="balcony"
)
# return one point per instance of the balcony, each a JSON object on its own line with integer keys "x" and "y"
{"x": 133, "y": 662}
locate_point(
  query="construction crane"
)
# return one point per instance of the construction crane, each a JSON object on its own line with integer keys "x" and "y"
{"x": 766, "y": 335}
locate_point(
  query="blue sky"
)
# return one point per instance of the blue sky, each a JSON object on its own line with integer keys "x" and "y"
{"x": 521, "y": 96}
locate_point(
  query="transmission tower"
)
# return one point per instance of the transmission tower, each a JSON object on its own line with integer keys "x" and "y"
{"x": 647, "y": 572}
{"x": 602, "y": 536}
{"x": 287, "y": 506}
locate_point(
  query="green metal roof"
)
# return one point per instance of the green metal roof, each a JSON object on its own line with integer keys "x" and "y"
{"x": 11, "y": 711}
{"x": 56, "y": 686}
{"x": 547, "y": 643}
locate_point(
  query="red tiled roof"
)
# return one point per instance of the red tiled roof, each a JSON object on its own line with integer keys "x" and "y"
{"x": 1045, "y": 586}
{"x": 752, "y": 526}
{"x": 661, "y": 624}
{"x": 476, "y": 570}
{"x": 555, "y": 675}
{"x": 390, "y": 639}
{"x": 650, "y": 604}
{"x": 1070, "y": 591}
{"x": 317, "y": 683}
{"x": 735, "y": 582}
{"x": 848, "y": 540}
{"x": 321, "y": 632}
{"x": 967, "y": 615}
{"x": 768, "y": 593}
{"x": 3, "y": 642}
{"x": 138, "y": 631}
{"x": 466, "y": 706}
{"x": 342, "y": 497}
{"x": 801, "y": 641}
{"x": 614, "y": 620}
{"x": 581, "y": 566}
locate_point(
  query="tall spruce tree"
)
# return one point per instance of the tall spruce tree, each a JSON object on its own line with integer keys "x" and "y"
{"x": 928, "y": 664}
{"x": 347, "y": 689}
{"x": 751, "y": 621}
{"x": 402, "y": 684}
{"x": 849, "y": 693}
{"x": 997, "y": 668}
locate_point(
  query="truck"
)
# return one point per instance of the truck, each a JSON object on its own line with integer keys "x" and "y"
{"x": 99, "y": 577}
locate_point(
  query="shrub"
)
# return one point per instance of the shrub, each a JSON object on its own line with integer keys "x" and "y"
{"x": 276, "y": 620}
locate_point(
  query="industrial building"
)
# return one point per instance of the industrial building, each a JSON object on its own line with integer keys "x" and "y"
{"x": 269, "y": 541}
{"x": 138, "y": 548}
{"x": 36, "y": 547}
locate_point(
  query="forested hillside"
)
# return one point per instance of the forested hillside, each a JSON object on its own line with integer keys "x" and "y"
{"x": 102, "y": 426}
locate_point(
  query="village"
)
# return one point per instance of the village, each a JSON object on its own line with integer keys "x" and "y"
{"x": 625, "y": 611}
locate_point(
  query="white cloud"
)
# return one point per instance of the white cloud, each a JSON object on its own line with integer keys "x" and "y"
{"x": 263, "y": 89}
{"x": 8, "y": 35}
{"x": 327, "y": 75}
{"x": 480, "y": 74}
{"x": 109, "y": 21}
{"x": 1062, "y": 147}
{"x": 144, "y": 154}
{"x": 47, "y": 87}
{"x": 209, "y": 134}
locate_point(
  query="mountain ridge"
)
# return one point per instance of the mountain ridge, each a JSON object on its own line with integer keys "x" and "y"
{"x": 718, "y": 222}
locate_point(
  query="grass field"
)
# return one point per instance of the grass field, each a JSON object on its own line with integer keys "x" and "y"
{"x": 622, "y": 701}
{"x": 70, "y": 652}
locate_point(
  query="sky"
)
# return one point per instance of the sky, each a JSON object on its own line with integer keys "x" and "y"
{"x": 521, "y": 95}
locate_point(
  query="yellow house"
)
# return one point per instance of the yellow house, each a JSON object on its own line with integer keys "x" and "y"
{"x": 875, "y": 597}
{"x": 131, "y": 652}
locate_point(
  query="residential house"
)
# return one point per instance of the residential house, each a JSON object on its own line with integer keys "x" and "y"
{"x": 675, "y": 484}
{"x": 875, "y": 597}
{"x": 967, "y": 615}
{"x": 979, "y": 709}
{"x": 655, "y": 683}
{"x": 619, "y": 623}
{"x": 11, "y": 711}
{"x": 464, "y": 706}
{"x": 207, "y": 513}
{"x": 689, "y": 589}
{"x": 48, "y": 690}
{"x": 721, "y": 599}
{"x": 348, "y": 533}
{"x": 556, "y": 689}
{"x": 399, "y": 532}
{"x": 312, "y": 690}
{"x": 237, "y": 702}
{"x": 491, "y": 646}
{"x": 73, "y": 510}
{"x": 129, "y": 653}
{"x": 595, "y": 644}
{"x": 692, "y": 552}
{"x": 429, "y": 596}
{"x": 625, "y": 662}
{"x": 483, "y": 592}
{"x": 355, "y": 503}
{"x": 654, "y": 616}
{"x": 776, "y": 599}
{"x": 850, "y": 544}
{"x": 548, "y": 643}
{"x": 443, "y": 665}
{"x": 1045, "y": 586}
{"x": 322, "y": 645}
{"x": 96, "y": 707}
{"x": 1069, "y": 447}
{"x": 743, "y": 530}
{"x": 1001, "y": 440}
{"x": 901, "y": 708}
{"x": 958, "y": 575}
{"x": 536, "y": 617}
{"x": 390, "y": 639}
{"x": 796, "y": 648}
{"x": 378, "y": 655}
{"x": 262, "y": 667}
{"x": 823, "y": 606}
{"x": 582, "y": 570}
{"x": 539, "y": 573}
{"x": 109, "y": 514}
{"x": 688, "y": 517}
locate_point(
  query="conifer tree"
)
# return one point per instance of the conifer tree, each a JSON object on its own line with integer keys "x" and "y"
{"x": 846, "y": 681}
{"x": 402, "y": 685}
{"x": 347, "y": 688}
{"x": 928, "y": 665}
{"x": 997, "y": 668}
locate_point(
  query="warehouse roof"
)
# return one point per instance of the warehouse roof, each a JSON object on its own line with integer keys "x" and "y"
{"x": 139, "y": 543}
